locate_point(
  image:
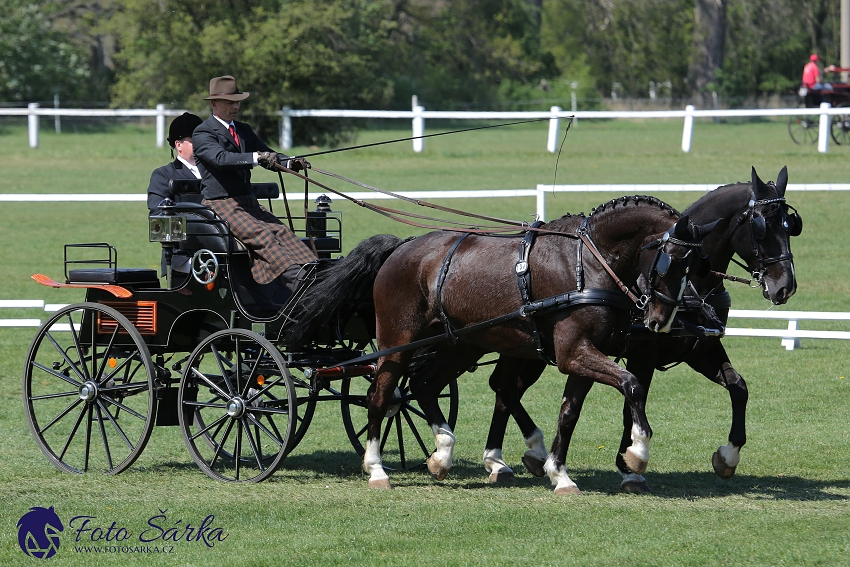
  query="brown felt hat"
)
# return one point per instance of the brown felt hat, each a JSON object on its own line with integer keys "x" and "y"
{"x": 225, "y": 88}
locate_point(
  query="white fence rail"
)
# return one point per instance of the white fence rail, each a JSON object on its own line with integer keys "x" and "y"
{"x": 790, "y": 336}
{"x": 539, "y": 193}
{"x": 418, "y": 115}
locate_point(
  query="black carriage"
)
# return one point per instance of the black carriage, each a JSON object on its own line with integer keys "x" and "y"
{"x": 203, "y": 352}
{"x": 804, "y": 129}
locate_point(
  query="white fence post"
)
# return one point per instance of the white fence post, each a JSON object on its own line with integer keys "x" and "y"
{"x": 688, "y": 132}
{"x": 418, "y": 128}
{"x": 286, "y": 129}
{"x": 160, "y": 125}
{"x": 32, "y": 122}
{"x": 541, "y": 202}
{"x": 57, "y": 122}
{"x": 823, "y": 131}
{"x": 552, "y": 143}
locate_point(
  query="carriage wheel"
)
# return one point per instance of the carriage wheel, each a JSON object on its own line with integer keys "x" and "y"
{"x": 803, "y": 129}
{"x": 90, "y": 404}
{"x": 238, "y": 408}
{"x": 407, "y": 440}
{"x": 840, "y": 129}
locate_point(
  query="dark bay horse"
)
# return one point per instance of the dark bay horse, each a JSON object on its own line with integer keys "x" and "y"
{"x": 756, "y": 224}
{"x": 441, "y": 283}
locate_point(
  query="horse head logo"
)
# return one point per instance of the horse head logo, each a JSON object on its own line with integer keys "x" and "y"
{"x": 38, "y": 532}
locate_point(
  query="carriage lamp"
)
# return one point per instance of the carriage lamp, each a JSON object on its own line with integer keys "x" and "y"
{"x": 166, "y": 226}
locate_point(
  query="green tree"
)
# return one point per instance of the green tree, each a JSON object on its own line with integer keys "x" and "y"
{"x": 38, "y": 61}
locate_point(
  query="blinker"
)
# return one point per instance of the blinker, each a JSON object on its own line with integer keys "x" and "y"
{"x": 663, "y": 264}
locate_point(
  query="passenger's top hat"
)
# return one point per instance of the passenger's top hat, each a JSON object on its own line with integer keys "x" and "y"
{"x": 182, "y": 127}
{"x": 225, "y": 88}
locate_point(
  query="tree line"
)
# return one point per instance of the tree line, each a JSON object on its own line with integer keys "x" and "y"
{"x": 377, "y": 53}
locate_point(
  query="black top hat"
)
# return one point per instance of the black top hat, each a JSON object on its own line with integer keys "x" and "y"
{"x": 182, "y": 127}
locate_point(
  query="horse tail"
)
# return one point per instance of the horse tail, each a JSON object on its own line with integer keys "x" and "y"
{"x": 337, "y": 283}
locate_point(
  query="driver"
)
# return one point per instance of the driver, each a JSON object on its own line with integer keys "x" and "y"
{"x": 226, "y": 151}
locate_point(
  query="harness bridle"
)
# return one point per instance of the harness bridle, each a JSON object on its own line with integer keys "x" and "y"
{"x": 757, "y": 228}
{"x": 661, "y": 264}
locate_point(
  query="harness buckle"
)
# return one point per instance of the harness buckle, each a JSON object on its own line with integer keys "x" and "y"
{"x": 642, "y": 302}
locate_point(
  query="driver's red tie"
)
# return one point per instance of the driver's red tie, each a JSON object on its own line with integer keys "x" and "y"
{"x": 233, "y": 133}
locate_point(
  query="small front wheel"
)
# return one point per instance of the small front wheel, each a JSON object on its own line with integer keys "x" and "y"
{"x": 238, "y": 406}
{"x": 803, "y": 129}
{"x": 840, "y": 129}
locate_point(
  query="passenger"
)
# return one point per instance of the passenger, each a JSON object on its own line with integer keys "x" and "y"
{"x": 183, "y": 167}
{"x": 226, "y": 151}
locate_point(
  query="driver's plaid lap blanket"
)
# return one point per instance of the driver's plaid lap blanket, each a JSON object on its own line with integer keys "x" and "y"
{"x": 272, "y": 246}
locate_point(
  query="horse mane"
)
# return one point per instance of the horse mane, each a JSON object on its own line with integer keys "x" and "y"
{"x": 638, "y": 200}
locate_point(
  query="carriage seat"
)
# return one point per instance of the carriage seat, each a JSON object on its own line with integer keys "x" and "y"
{"x": 187, "y": 197}
{"x": 135, "y": 277}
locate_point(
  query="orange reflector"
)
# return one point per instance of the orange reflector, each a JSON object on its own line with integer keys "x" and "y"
{"x": 261, "y": 380}
{"x": 112, "y": 363}
{"x": 210, "y": 286}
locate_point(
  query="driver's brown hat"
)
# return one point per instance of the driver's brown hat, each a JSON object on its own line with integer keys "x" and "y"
{"x": 225, "y": 88}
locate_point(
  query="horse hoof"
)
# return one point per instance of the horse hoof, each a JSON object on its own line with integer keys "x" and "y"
{"x": 438, "y": 471}
{"x": 720, "y": 467}
{"x": 381, "y": 484}
{"x": 567, "y": 490}
{"x": 633, "y": 487}
{"x": 533, "y": 465}
{"x": 635, "y": 463}
{"x": 503, "y": 477}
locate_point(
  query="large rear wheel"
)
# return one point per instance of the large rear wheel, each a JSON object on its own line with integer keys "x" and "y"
{"x": 238, "y": 406}
{"x": 89, "y": 390}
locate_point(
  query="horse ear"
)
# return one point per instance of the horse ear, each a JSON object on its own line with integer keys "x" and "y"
{"x": 782, "y": 181}
{"x": 758, "y": 185}
{"x": 682, "y": 229}
{"x": 702, "y": 231}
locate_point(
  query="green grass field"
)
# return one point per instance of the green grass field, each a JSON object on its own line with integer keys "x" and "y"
{"x": 787, "y": 504}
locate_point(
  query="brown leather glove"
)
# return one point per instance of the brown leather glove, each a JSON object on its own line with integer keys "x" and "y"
{"x": 268, "y": 159}
{"x": 295, "y": 164}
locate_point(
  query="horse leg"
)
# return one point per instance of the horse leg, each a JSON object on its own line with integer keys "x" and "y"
{"x": 389, "y": 371}
{"x": 575, "y": 391}
{"x": 510, "y": 379}
{"x": 714, "y": 365}
{"x": 642, "y": 368}
{"x": 590, "y": 364}
{"x": 425, "y": 385}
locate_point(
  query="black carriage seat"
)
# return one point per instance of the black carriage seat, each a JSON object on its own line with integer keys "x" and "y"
{"x": 140, "y": 278}
{"x": 188, "y": 192}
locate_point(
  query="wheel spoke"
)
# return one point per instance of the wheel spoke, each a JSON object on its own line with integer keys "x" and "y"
{"x": 120, "y": 366}
{"x": 105, "y": 352}
{"x": 219, "y": 358}
{"x": 257, "y": 456}
{"x": 400, "y": 443}
{"x": 131, "y": 411}
{"x": 221, "y": 443}
{"x": 103, "y": 435}
{"x": 68, "y": 361}
{"x": 237, "y": 453}
{"x": 211, "y": 384}
{"x": 78, "y": 347}
{"x": 115, "y": 425}
{"x": 205, "y": 405}
{"x": 127, "y": 386}
{"x": 89, "y": 407}
{"x": 415, "y": 432}
{"x": 210, "y": 426}
{"x": 62, "y": 414}
{"x": 49, "y": 396}
{"x": 73, "y": 431}
{"x": 259, "y": 425}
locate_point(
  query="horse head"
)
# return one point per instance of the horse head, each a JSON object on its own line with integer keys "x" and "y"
{"x": 665, "y": 263}
{"x": 761, "y": 237}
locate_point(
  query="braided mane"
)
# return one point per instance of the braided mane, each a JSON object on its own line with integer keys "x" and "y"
{"x": 638, "y": 200}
